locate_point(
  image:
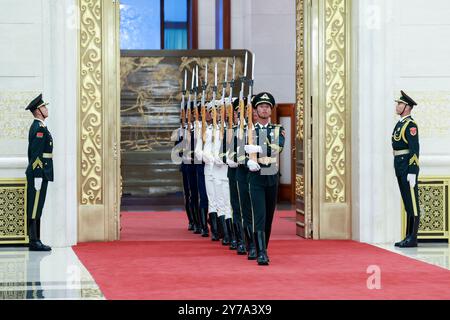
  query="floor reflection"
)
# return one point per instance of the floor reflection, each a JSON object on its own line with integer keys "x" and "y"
{"x": 433, "y": 253}
{"x": 44, "y": 275}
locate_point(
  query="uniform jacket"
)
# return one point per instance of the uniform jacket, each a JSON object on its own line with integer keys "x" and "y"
{"x": 406, "y": 137}
{"x": 40, "y": 148}
{"x": 271, "y": 139}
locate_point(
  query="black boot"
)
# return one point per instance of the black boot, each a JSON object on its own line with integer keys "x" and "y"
{"x": 35, "y": 244}
{"x": 204, "y": 223}
{"x": 220, "y": 227}
{"x": 226, "y": 232}
{"x": 409, "y": 228}
{"x": 213, "y": 222}
{"x": 411, "y": 240}
{"x": 196, "y": 216}
{"x": 251, "y": 248}
{"x": 190, "y": 219}
{"x": 239, "y": 231}
{"x": 262, "y": 259}
{"x": 232, "y": 233}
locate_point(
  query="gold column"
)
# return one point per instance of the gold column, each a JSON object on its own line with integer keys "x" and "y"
{"x": 334, "y": 121}
{"x": 99, "y": 121}
{"x": 323, "y": 118}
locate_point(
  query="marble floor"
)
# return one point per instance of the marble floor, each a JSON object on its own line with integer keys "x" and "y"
{"x": 429, "y": 252}
{"x": 41, "y": 275}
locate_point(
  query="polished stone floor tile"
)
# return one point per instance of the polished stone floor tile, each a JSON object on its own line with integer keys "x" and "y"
{"x": 44, "y": 275}
{"x": 433, "y": 253}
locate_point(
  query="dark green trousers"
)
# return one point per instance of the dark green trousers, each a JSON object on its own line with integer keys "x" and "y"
{"x": 35, "y": 204}
{"x": 263, "y": 195}
{"x": 234, "y": 197}
{"x": 244, "y": 196}
{"x": 410, "y": 199}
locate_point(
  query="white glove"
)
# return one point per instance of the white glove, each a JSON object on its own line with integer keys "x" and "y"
{"x": 253, "y": 149}
{"x": 199, "y": 155}
{"x": 411, "y": 179}
{"x": 37, "y": 183}
{"x": 231, "y": 163}
{"x": 253, "y": 166}
{"x": 218, "y": 161}
{"x": 207, "y": 158}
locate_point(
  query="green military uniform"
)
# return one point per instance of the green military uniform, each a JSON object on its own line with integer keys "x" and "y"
{"x": 40, "y": 165}
{"x": 405, "y": 143}
{"x": 238, "y": 219}
{"x": 243, "y": 190}
{"x": 263, "y": 184}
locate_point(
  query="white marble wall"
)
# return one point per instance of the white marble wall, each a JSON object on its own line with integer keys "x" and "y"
{"x": 267, "y": 28}
{"x": 38, "y": 53}
{"x": 398, "y": 44}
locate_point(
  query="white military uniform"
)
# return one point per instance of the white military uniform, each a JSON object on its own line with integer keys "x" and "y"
{"x": 221, "y": 183}
{"x": 209, "y": 164}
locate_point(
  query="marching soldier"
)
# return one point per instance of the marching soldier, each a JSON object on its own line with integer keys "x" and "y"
{"x": 200, "y": 174}
{"x": 190, "y": 170}
{"x": 405, "y": 143}
{"x": 264, "y": 172}
{"x": 178, "y": 137}
{"x": 222, "y": 189}
{"x": 238, "y": 220}
{"x": 208, "y": 159}
{"x": 243, "y": 189}
{"x": 39, "y": 171}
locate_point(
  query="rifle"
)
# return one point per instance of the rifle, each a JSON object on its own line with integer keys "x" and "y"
{"x": 222, "y": 102}
{"x": 241, "y": 100}
{"x": 189, "y": 113}
{"x": 230, "y": 103}
{"x": 213, "y": 101}
{"x": 197, "y": 119}
{"x": 204, "y": 85}
{"x": 183, "y": 113}
{"x": 250, "y": 110}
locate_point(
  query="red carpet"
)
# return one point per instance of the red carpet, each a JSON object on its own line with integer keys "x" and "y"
{"x": 158, "y": 258}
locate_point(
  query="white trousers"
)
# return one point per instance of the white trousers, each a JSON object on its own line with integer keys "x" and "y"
{"x": 222, "y": 191}
{"x": 210, "y": 189}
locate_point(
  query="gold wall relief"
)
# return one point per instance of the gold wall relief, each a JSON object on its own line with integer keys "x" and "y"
{"x": 336, "y": 99}
{"x": 299, "y": 185}
{"x": 15, "y": 121}
{"x": 300, "y": 68}
{"x": 98, "y": 121}
{"x": 432, "y": 114}
{"x": 90, "y": 115}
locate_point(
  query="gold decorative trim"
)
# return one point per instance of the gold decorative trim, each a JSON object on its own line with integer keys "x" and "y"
{"x": 36, "y": 203}
{"x": 336, "y": 51}
{"x": 13, "y": 211}
{"x": 434, "y": 205}
{"x": 99, "y": 121}
{"x": 300, "y": 69}
{"x": 299, "y": 185}
{"x": 91, "y": 74}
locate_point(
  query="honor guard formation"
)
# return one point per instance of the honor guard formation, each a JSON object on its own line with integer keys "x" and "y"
{"x": 229, "y": 154}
